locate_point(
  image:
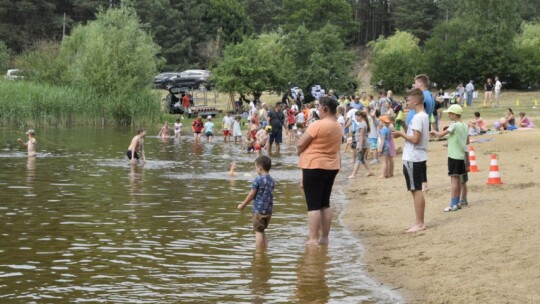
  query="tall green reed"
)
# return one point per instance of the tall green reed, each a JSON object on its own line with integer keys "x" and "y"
{"x": 26, "y": 103}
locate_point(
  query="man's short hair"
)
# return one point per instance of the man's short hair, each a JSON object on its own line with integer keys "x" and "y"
{"x": 264, "y": 162}
{"x": 417, "y": 94}
{"x": 141, "y": 130}
{"x": 423, "y": 78}
{"x": 279, "y": 103}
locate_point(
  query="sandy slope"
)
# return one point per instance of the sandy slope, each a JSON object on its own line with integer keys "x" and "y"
{"x": 488, "y": 252}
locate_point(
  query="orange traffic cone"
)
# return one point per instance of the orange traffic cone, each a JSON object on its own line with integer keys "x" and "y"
{"x": 472, "y": 161}
{"x": 494, "y": 177}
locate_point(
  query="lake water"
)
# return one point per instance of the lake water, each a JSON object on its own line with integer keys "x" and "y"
{"x": 78, "y": 224}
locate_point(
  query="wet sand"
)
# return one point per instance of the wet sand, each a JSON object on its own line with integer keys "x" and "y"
{"x": 487, "y": 252}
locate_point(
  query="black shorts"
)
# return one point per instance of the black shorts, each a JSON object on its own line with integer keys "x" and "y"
{"x": 261, "y": 221}
{"x": 415, "y": 174}
{"x": 456, "y": 167}
{"x": 318, "y": 185}
{"x": 290, "y": 126}
{"x": 130, "y": 155}
{"x": 276, "y": 136}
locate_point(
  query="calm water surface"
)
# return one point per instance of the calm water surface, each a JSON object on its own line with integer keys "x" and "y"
{"x": 78, "y": 224}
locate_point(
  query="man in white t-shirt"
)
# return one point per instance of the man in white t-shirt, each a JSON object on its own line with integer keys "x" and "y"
{"x": 498, "y": 87}
{"x": 415, "y": 155}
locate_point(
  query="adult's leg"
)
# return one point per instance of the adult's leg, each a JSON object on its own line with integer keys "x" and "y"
{"x": 314, "y": 225}
{"x": 326, "y": 223}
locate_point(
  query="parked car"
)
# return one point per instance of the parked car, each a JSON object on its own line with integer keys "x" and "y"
{"x": 194, "y": 79}
{"x": 14, "y": 74}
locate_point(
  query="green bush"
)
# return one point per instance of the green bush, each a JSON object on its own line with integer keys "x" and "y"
{"x": 395, "y": 61}
{"x": 4, "y": 57}
{"x": 527, "y": 45}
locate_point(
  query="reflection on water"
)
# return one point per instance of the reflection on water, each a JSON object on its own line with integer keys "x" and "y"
{"x": 79, "y": 224}
{"x": 311, "y": 286}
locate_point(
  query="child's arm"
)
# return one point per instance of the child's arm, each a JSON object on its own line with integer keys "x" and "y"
{"x": 249, "y": 198}
{"x": 360, "y": 142}
{"x": 440, "y": 134}
{"x": 381, "y": 145}
{"x": 22, "y": 142}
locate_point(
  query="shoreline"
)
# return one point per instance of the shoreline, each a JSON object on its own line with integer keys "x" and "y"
{"x": 484, "y": 253}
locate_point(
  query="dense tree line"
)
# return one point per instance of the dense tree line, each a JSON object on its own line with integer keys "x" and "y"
{"x": 457, "y": 39}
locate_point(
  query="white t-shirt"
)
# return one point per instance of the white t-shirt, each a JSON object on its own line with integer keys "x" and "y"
{"x": 350, "y": 115}
{"x": 227, "y": 122}
{"x": 300, "y": 118}
{"x": 341, "y": 120}
{"x": 498, "y": 86}
{"x": 418, "y": 152}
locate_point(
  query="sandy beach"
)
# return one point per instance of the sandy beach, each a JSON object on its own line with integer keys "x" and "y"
{"x": 487, "y": 252}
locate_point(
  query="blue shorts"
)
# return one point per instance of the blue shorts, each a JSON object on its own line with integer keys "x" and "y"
{"x": 373, "y": 143}
{"x": 276, "y": 136}
{"x": 208, "y": 134}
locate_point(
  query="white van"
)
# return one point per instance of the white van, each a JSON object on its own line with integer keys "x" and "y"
{"x": 14, "y": 74}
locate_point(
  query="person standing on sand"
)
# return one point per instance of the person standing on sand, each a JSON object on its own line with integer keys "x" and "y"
{"x": 319, "y": 151}
{"x": 30, "y": 144}
{"x": 415, "y": 155}
{"x": 458, "y": 154}
{"x": 137, "y": 144}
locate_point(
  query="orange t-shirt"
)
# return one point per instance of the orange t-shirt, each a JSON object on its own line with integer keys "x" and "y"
{"x": 323, "y": 150}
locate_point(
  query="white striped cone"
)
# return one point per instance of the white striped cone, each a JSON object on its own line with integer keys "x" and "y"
{"x": 494, "y": 178}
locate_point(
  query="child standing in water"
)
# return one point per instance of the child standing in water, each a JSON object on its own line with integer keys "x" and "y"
{"x": 209, "y": 129}
{"x": 237, "y": 130}
{"x": 261, "y": 192}
{"x": 197, "y": 127}
{"x": 31, "y": 143}
{"x": 137, "y": 144}
{"x": 178, "y": 128}
{"x": 164, "y": 132}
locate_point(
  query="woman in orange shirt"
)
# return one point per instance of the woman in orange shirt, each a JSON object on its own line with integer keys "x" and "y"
{"x": 319, "y": 149}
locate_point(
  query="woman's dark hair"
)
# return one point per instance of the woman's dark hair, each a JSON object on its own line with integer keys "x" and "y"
{"x": 510, "y": 110}
{"x": 477, "y": 114}
{"x": 329, "y": 103}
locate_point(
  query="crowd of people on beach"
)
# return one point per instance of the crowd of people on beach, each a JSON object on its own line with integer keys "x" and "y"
{"x": 327, "y": 127}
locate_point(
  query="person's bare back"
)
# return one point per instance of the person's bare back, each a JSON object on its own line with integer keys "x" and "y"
{"x": 136, "y": 145}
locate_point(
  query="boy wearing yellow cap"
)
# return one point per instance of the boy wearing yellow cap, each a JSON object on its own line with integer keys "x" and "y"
{"x": 458, "y": 155}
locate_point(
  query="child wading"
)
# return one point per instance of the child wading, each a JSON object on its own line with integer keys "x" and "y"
{"x": 30, "y": 144}
{"x": 458, "y": 155}
{"x": 261, "y": 192}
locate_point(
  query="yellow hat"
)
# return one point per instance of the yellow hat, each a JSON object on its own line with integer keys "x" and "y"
{"x": 268, "y": 128}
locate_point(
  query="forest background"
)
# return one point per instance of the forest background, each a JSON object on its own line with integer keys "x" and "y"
{"x": 111, "y": 49}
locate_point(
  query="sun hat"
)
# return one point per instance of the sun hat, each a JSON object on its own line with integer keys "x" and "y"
{"x": 30, "y": 131}
{"x": 209, "y": 117}
{"x": 268, "y": 128}
{"x": 456, "y": 109}
{"x": 384, "y": 119}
